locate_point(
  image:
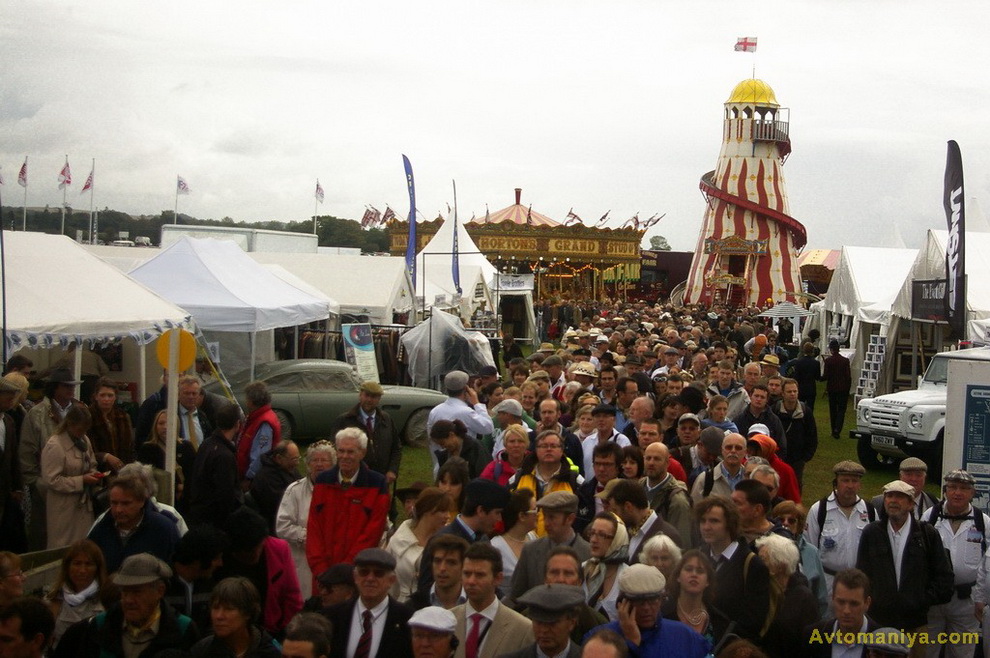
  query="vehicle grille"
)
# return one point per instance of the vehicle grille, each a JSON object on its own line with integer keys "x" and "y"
{"x": 881, "y": 418}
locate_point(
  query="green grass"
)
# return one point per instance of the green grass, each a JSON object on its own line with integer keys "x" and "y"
{"x": 416, "y": 463}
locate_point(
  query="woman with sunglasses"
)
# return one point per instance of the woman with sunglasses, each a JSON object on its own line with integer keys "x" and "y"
{"x": 609, "y": 541}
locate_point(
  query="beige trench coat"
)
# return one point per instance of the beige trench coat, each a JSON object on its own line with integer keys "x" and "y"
{"x": 68, "y": 502}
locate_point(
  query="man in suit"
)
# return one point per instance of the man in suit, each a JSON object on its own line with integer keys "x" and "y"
{"x": 907, "y": 565}
{"x": 384, "y": 443}
{"x": 484, "y": 501}
{"x": 553, "y": 610}
{"x": 743, "y": 592}
{"x": 194, "y": 427}
{"x": 850, "y": 603}
{"x": 374, "y": 624}
{"x": 627, "y": 500}
{"x": 485, "y": 627}
{"x": 559, "y": 512}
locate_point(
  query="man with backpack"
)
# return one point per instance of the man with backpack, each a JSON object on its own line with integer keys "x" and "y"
{"x": 963, "y": 529}
{"x": 836, "y": 522}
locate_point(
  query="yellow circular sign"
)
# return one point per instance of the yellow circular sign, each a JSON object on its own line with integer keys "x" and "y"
{"x": 187, "y": 349}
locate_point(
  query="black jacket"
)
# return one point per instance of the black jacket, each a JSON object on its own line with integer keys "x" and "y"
{"x": 586, "y": 505}
{"x": 801, "y": 430}
{"x": 103, "y": 633}
{"x": 396, "y": 639}
{"x": 263, "y": 645}
{"x": 797, "y": 608}
{"x": 746, "y": 419}
{"x": 743, "y": 594}
{"x": 926, "y": 574}
{"x": 384, "y": 446}
{"x": 268, "y": 486}
{"x": 214, "y": 490}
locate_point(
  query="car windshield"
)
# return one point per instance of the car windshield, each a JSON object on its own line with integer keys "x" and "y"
{"x": 938, "y": 371}
{"x": 299, "y": 382}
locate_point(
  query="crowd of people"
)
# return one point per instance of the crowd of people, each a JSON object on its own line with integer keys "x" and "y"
{"x": 635, "y": 489}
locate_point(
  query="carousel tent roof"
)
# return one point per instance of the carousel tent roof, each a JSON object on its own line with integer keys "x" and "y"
{"x": 786, "y": 310}
{"x": 827, "y": 258}
{"x": 517, "y": 214}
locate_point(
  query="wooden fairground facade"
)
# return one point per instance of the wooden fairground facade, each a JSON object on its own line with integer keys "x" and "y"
{"x": 568, "y": 262}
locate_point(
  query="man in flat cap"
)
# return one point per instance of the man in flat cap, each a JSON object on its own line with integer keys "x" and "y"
{"x": 433, "y": 633}
{"x": 559, "y": 513}
{"x": 553, "y": 609}
{"x": 462, "y": 404}
{"x": 142, "y": 623}
{"x": 384, "y": 444}
{"x": 641, "y": 590}
{"x": 913, "y": 471}
{"x": 907, "y": 565}
{"x": 374, "y": 624}
{"x": 963, "y": 529}
{"x": 836, "y": 522}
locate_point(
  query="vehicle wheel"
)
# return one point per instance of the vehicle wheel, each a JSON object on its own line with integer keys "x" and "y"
{"x": 870, "y": 458}
{"x": 286, "y": 422}
{"x": 415, "y": 432}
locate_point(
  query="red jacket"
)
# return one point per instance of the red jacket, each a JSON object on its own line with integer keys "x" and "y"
{"x": 254, "y": 420}
{"x": 344, "y": 522}
{"x": 283, "y": 598}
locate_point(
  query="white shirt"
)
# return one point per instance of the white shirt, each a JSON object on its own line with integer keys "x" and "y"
{"x": 637, "y": 539}
{"x": 357, "y": 627}
{"x": 839, "y": 535}
{"x": 964, "y": 545}
{"x": 475, "y": 418}
{"x": 898, "y": 540}
{"x": 588, "y": 447}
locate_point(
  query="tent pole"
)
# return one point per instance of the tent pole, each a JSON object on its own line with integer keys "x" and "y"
{"x": 172, "y": 405}
{"x": 77, "y": 368}
{"x": 295, "y": 342}
{"x": 252, "y": 337}
{"x": 142, "y": 373}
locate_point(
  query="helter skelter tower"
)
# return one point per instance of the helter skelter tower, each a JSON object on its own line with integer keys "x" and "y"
{"x": 748, "y": 248}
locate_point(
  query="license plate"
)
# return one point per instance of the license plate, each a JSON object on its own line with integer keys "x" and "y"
{"x": 883, "y": 441}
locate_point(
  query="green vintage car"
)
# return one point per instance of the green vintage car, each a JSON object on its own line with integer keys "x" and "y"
{"x": 308, "y": 394}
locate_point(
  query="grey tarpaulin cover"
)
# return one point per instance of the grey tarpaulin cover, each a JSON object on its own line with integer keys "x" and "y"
{"x": 440, "y": 344}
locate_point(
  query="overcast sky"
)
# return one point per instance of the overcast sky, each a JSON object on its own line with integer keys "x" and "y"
{"x": 587, "y": 105}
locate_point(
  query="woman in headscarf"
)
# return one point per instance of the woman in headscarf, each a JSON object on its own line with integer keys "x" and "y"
{"x": 609, "y": 541}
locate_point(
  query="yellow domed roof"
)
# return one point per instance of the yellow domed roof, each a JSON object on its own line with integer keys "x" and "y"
{"x": 753, "y": 91}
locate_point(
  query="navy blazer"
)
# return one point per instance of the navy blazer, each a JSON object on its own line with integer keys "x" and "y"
{"x": 396, "y": 638}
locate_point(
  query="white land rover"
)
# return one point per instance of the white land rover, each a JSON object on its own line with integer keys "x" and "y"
{"x": 910, "y": 423}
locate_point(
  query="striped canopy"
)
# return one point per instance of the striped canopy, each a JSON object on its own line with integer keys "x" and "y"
{"x": 517, "y": 214}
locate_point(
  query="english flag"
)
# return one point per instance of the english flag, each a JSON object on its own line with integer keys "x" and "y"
{"x": 603, "y": 220}
{"x": 181, "y": 186}
{"x": 389, "y": 215}
{"x": 22, "y": 177}
{"x": 746, "y": 44}
{"x": 64, "y": 177}
{"x": 572, "y": 218}
{"x": 88, "y": 185}
{"x": 319, "y": 191}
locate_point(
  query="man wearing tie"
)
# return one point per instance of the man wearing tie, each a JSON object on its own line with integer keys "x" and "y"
{"x": 384, "y": 442}
{"x": 193, "y": 426}
{"x": 485, "y": 627}
{"x": 374, "y": 624}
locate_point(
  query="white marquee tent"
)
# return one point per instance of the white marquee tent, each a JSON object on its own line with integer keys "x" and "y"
{"x": 863, "y": 276}
{"x": 228, "y": 293}
{"x": 434, "y": 270}
{"x": 376, "y": 286}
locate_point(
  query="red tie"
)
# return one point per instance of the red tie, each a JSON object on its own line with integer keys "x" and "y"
{"x": 471, "y": 648}
{"x": 364, "y": 642}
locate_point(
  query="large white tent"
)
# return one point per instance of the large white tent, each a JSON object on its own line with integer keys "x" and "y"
{"x": 229, "y": 293}
{"x": 864, "y": 276}
{"x": 58, "y": 293}
{"x": 435, "y": 272}
{"x": 375, "y": 286}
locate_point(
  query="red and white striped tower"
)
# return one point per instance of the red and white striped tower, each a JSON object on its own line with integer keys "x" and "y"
{"x": 747, "y": 251}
